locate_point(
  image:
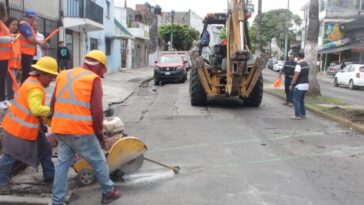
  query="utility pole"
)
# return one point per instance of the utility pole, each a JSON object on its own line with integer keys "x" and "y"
{"x": 286, "y": 36}
{"x": 257, "y": 34}
{"x": 172, "y": 19}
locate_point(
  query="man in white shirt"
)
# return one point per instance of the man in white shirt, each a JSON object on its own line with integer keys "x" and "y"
{"x": 40, "y": 50}
{"x": 300, "y": 86}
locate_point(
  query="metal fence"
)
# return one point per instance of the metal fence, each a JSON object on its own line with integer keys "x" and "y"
{"x": 15, "y": 8}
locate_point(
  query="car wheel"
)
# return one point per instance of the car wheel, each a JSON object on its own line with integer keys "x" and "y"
{"x": 351, "y": 85}
{"x": 336, "y": 84}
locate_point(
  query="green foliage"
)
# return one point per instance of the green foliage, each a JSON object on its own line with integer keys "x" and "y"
{"x": 274, "y": 24}
{"x": 252, "y": 32}
{"x": 183, "y": 35}
{"x": 222, "y": 34}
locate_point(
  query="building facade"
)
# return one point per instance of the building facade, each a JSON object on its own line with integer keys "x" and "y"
{"x": 334, "y": 44}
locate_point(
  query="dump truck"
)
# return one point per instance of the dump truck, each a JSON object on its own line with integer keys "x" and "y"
{"x": 228, "y": 68}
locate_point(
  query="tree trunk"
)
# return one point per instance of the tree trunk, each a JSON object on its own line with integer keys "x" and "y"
{"x": 311, "y": 47}
{"x": 257, "y": 34}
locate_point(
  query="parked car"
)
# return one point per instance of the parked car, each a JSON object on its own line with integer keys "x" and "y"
{"x": 278, "y": 66}
{"x": 351, "y": 76}
{"x": 271, "y": 63}
{"x": 336, "y": 67}
{"x": 170, "y": 68}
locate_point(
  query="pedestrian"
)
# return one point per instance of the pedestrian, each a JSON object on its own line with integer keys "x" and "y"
{"x": 63, "y": 56}
{"x": 28, "y": 41}
{"x": 14, "y": 65}
{"x": 288, "y": 71}
{"x": 299, "y": 85}
{"x": 78, "y": 124}
{"x": 40, "y": 52}
{"x": 6, "y": 40}
{"x": 24, "y": 138}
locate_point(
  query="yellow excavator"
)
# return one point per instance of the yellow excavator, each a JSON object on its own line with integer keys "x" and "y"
{"x": 229, "y": 69}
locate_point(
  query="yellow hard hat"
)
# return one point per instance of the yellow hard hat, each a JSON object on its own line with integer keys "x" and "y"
{"x": 98, "y": 56}
{"x": 47, "y": 64}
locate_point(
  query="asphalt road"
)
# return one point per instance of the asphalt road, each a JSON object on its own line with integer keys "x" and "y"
{"x": 327, "y": 89}
{"x": 233, "y": 155}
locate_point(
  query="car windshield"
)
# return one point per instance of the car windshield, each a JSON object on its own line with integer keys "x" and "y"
{"x": 361, "y": 69}
{"x": 170, "y": 59}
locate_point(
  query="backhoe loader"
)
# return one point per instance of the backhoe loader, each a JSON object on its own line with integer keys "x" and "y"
{"x": 229, "y": 69}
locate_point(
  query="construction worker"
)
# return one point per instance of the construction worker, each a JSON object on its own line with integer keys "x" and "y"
{"x": 23, "y": 139}
{"x": 28, "y": 40}
{"x": 288, "y": 71}
{"x": 5, "y": 53}
{"x": 41, "y": 50}
{"x": 77, "y": 123}
{"x": 14, "y": 65}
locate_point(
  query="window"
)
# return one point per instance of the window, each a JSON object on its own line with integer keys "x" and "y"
{"x": 93, "y": 44}
{"x": 361, "y": 69}
{"x": 108, "y": 46}
{"x": 108, "y": 9}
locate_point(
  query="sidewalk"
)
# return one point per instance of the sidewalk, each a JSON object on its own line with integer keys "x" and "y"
{"x": 117, "y": 87}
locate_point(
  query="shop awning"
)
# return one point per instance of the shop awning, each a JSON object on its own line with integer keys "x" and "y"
{"x": 121, "y": 32}
{"x": 338, "y": 49}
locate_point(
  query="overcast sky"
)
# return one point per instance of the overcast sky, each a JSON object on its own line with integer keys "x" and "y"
{"x": 202, "y": 7}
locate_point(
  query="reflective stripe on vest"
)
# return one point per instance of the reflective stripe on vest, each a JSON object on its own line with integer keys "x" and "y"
{"x": 72, "y": 117}
{"x": 5, "y": 48}
{"x": 19, "y": 120}
{"x": 26, "y": 47}
{"x": 22, "y": 122}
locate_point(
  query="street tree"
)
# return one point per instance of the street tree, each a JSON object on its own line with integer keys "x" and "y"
{"x": 311, "y": 47}
{"x": 183, "y": 35}
{"x": 273, "y": 25}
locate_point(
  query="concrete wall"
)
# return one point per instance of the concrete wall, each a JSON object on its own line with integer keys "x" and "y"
{"x": 114, "y": 59}
{"x": 51, "y": 11}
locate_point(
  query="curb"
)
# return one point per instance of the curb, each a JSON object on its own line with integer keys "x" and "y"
{"x": 340, "y": 120}
{"x": 13, "y": 200}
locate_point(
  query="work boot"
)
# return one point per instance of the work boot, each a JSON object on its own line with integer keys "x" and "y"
{"x": 109, "y": 197}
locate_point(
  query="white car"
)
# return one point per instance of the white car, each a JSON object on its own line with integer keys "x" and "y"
{"x": 351, "y": 76}
{"x": 278, "y": 66}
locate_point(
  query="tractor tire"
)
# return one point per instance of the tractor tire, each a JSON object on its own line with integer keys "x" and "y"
{"x": 256, "y": 96}
{"x": 198, "y": 96}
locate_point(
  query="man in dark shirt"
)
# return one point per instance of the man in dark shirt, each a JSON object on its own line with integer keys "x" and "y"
{"x": 288, "y": 71}
{"x": 63, "y": 56}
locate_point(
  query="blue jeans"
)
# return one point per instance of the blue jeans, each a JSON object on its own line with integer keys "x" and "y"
{"x": 289, "y": 93}
{"x": 299, "y": 102}
{"x": 88, "y": 147}
{"x": 9, "y": 85}
{"x": 45, "y": 157}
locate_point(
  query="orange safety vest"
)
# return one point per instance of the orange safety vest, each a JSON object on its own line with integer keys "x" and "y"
{"x": 5, "y": 48}
{"x": 72, "y": 108}
{"x": 26, "y": 47}
{"x": 15, "y": 59}
{"x": 19, "y": 120}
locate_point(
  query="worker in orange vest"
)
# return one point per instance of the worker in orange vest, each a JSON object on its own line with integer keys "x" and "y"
{"x": 28, "y": 41}
{"x": 6, "y": 40}
{"x": 14, "y": 65}
{"x": 78, "y": 124}
{"x": 24, "y": 138}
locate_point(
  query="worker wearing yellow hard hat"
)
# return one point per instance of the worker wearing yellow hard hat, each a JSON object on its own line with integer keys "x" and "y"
{"x": 78, "y": 114}
{"x": 24, "y": 139}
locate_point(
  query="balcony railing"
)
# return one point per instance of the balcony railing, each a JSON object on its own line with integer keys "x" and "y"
{"x": 84, "y": 9}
